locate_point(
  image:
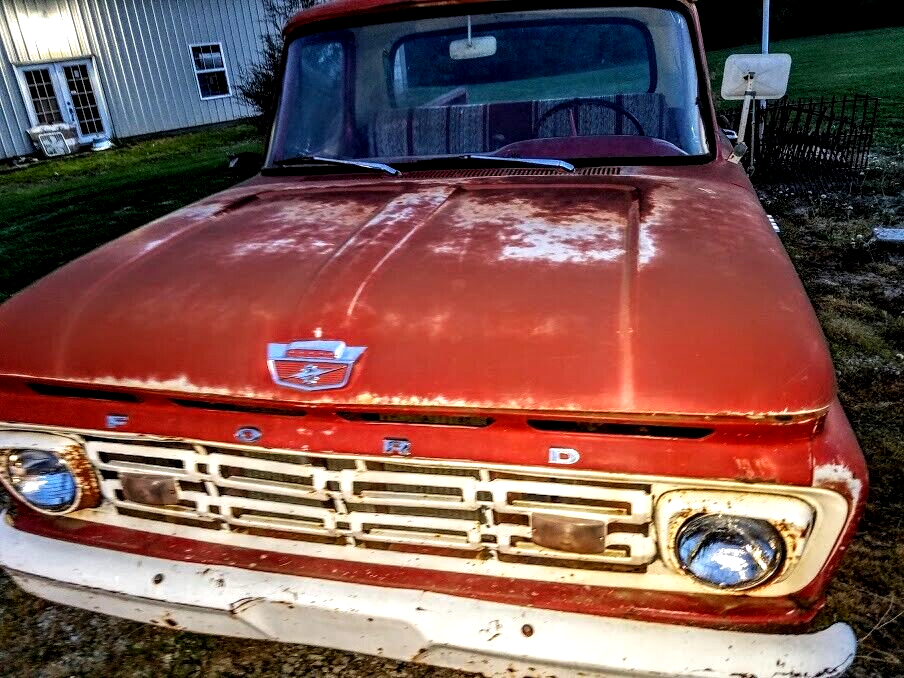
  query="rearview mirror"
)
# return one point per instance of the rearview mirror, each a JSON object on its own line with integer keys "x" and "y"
{"x": 473, "y": 48}
{"x": 766, "y": 75}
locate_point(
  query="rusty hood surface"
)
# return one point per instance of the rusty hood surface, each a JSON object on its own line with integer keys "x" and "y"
{"x": 622, "y": 294}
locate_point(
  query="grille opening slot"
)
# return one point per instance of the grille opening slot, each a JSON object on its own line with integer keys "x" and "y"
{"x": 300, "y": 459}
{"x": 539, "y": 501}
{"x": 376, "y": 490}
{"x": 266, "y": 455}
{"x": 139, "y": 462}
{"x": 238, "y": 407}
{"x": 628, "y": 528}
{"x": 613, "y": 429}
{"x": 189, "y": 486}
{"x": 375, "y": 530}
{"x": 87, "y": 393}
{"x": 612, "y": 551}
{"x": 416, "y": 511}
{"x": 313, "y": 502}
{"x": 332, "y": 464}
{"x": 269, "y": 478}
{"x": 511, "y": 518}
{"x": 416, "y": 419}
{"x": 276, "y": 521}
{"x": 426, "y": 470}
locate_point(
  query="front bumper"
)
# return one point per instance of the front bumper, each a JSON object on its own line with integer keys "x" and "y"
{"x": 490, "y": 638}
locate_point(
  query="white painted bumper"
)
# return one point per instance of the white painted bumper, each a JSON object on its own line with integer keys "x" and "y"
{"x": 403, "y": 624}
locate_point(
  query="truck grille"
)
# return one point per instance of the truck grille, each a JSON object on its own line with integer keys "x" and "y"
{"x": 454, "y": 509}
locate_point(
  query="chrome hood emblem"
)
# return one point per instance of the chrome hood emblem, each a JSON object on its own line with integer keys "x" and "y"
{"x": 314, "y": 365}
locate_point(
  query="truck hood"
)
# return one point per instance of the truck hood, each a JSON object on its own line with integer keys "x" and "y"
{"x": 589, "y": 294}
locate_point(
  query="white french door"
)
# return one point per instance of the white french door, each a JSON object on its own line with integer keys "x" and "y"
{"x": 66, "y": 92}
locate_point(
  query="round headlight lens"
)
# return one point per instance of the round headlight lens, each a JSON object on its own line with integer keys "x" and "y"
{"x": 42, "y": 479}
{"x": 730, "y": 552}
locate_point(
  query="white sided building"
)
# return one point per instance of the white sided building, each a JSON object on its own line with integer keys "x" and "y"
{"x": 78, "y": 72}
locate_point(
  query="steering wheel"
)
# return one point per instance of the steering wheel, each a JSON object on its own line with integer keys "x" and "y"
{"x": 576, "y": 103}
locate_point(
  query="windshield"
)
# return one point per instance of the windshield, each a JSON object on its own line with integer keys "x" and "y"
{"x": 573, "y": 84}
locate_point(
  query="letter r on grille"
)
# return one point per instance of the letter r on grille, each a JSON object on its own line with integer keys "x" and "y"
{"x": 563, "y": 455}
{"x": 398, "y": 446}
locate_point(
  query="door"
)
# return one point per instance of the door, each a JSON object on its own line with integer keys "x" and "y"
{"x": 66, "y": 92}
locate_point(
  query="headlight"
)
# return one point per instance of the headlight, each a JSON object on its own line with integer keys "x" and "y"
{"x": 50, "y": 473}
{"x": 41, "y": 479}
{"x": 730, "y": 552}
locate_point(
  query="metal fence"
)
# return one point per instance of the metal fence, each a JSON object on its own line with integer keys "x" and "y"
{"x": 816, "y": 144}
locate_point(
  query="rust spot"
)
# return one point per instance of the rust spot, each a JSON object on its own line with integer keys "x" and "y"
{"x": 527, "y": 630}
{"x": 86, "y": 480}
{"x": 158, "y": 578}
{"x": 419, "y": 655}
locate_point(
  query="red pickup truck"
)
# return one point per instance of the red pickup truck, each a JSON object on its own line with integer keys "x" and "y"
{"x": 497, "y": 365}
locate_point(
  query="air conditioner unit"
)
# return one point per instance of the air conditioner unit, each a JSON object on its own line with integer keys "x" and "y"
{"x": 54, "y": 140}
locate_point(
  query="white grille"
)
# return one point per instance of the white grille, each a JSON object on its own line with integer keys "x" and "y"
{"x": 454, "y": 508}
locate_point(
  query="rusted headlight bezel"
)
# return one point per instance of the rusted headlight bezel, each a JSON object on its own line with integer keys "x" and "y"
{"x": 69, "y": 451}
{"x": 792, "y": 518}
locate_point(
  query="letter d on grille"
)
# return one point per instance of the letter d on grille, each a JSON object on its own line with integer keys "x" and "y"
{"x": 563, "y": 456}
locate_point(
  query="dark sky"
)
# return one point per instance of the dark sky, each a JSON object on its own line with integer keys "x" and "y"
{"x": 726, "y": 24}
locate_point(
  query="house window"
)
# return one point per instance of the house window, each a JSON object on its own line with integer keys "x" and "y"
{"x": 43, "y": 97}
{"x": 210, "y": 68}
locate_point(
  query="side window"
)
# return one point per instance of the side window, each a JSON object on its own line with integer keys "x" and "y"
{"x": 210, "y": 69}
{"x": 322, "y": 75}
{"x": 317, "y": 88}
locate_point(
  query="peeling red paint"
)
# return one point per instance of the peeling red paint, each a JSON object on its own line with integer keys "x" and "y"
{"x": 201, "y": 308}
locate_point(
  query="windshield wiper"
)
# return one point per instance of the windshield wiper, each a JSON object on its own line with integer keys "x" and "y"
{"x": 542, "y": 162}
{"x": 306, "y": 159}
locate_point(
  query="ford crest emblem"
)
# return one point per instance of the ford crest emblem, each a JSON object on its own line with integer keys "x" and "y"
{"x": 312, "y": 365}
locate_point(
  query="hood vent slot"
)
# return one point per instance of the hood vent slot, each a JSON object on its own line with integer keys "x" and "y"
{"x": 605, "y": 171}
{"x": 510, "y": 172}
{"x": 418, "y": 419}
{"x": 478, "y": 173}
{"x": 613, "y": 429}
{"x": 85, "y": 393}
{"x": 238, "y": 407}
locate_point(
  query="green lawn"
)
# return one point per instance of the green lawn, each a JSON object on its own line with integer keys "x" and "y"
{"x": 52, "y": 212}
{"x": 866, "y": 62}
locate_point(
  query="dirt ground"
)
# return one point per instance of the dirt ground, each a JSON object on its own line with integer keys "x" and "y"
{"x": 857, "y": 287}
